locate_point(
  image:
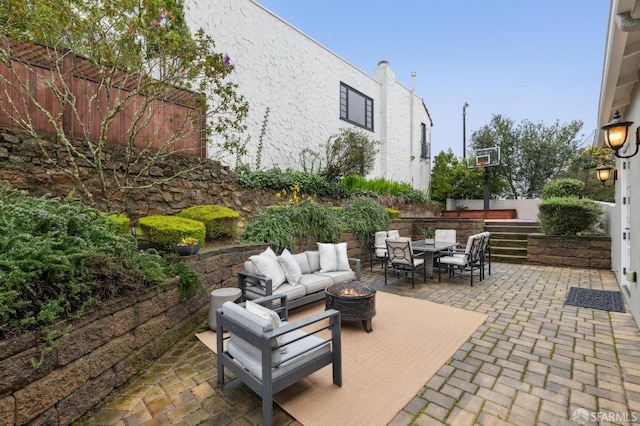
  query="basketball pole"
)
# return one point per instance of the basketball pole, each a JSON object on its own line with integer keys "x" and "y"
{"x": 464, "y": 130}
{"x": 486, "y": 188}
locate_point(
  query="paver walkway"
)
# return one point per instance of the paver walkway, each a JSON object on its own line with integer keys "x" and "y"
{"x": 533, "y": 361}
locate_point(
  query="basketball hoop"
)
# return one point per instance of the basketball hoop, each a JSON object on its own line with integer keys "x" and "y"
{"x": 481, "y": 164}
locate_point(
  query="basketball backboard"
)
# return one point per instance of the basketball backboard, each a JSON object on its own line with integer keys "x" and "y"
{"x": 484, "y": 157}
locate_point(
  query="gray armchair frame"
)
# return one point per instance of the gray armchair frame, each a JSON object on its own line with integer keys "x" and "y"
{"x": 266, "y": 343}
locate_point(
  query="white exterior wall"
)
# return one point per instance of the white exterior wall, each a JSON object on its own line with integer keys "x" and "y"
{"x": 619, "y": 92}
{"x": 280, "y": 68}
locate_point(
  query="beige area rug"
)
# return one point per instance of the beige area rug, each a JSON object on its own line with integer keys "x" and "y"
{"x": 382, "y": 370}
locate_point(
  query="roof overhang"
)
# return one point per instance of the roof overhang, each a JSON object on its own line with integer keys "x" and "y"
{"x": 621, "y": 60}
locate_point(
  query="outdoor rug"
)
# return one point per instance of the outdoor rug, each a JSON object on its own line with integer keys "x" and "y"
{"x": 596, "y": 299}
{"x": 382, "y": 370}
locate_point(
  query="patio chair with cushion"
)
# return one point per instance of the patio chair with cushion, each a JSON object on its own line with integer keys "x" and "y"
{"x": 379, "y": 248}
{"x": 400, "y": 258}
{"x": 447, "y": 236}
{"x": 485, "y": 256}
{"x": 269, "y": 354}
{"x": 466, "y": 260}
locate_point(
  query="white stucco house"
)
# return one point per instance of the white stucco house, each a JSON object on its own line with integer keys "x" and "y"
{"x": 620, "y": 91}
{"x": 311, "y": 94}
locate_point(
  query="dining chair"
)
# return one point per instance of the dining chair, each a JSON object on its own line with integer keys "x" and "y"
{"x": 446, "y": 235}
{"x": 400, "y": 258}
{"x": 466, "y": 260}
{"x": 379, "y": 248}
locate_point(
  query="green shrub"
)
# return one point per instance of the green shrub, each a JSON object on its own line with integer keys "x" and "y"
{"x": 218, "y": 220}
{"x": 166, "y": 231}
{"x": 365, "y": 216}
{"x": 393, "y": 213}
{"x": 564, "y": 187}
{"x": 279, "y": 225}
{"x": 381, "y": 186}
{"x": 568, "y": 216}
{"x": 59, "y": 258}
{"x": 121, "y": 224}
{"x": 277, "y": 180}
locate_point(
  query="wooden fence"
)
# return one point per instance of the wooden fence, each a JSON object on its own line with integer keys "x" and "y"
{"x": 150, "y": 121}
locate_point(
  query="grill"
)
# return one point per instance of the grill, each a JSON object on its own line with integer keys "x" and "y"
{"x": 354, "y": 300}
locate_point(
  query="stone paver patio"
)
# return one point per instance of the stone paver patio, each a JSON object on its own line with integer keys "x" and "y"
{"x": 533, "y": 361}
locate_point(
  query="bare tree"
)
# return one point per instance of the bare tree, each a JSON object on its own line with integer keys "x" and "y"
{"x": 126, "y": 72}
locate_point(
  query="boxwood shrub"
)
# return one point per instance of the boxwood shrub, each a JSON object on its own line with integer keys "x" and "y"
{"x": 564, "y": 187}
{"x": 167, "y": 231}
{"x": 568, "y": 215}
{"x": 218, "y": 220}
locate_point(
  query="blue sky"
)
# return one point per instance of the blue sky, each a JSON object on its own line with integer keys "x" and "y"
{"x": 535, "y": 60}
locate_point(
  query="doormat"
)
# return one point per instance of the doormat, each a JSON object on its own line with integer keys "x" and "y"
{"x": 595, "y": 299}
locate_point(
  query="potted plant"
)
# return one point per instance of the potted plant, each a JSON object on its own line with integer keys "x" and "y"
{"x": 428, "y": 235}
{"x": 188, "y": 246}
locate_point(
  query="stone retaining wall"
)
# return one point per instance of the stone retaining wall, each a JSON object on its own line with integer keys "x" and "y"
{"x": 111, "y": 344}
{"x": 107, "y": 346}
{"x": 24, "y": 166}
{"x": 578, "y": 251}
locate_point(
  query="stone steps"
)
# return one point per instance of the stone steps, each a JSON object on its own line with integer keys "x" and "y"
{"x": 509, "y": 239}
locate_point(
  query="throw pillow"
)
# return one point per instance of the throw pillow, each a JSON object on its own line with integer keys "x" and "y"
{"x": 268, "y": 315}
{"x": 333, "y": 257}
{"x": 290, "y": 267}
{"x": 266, "y": 263}
{"x": 303, "y": 262}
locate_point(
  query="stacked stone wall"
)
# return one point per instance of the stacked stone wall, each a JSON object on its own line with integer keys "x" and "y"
{"x": 578, "y": 251}
{"x": 23, "y": 164}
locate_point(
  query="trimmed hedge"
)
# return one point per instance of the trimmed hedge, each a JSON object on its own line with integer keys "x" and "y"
{"x": 167, "y": 231}
{"x": 568, "y": 215}
{"x": 218, "y": 220}
{"x": 563, "y": 187}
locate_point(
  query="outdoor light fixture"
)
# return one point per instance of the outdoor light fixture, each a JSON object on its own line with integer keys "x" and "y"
{"x": 604, "y": 173}
{"x": 616, "y": 134}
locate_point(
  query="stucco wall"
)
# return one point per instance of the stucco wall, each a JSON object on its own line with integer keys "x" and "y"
{"x": 527, "y": 209}
{"x": 279, "y": 67}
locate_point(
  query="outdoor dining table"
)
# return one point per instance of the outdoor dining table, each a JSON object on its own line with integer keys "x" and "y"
{"x": 428, "y": 251}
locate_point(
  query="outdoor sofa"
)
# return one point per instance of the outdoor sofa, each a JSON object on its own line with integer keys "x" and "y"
{"x": 302, "y": 277}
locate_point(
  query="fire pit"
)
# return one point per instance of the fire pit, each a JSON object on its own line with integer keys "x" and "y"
{"x": 354, "y": 300}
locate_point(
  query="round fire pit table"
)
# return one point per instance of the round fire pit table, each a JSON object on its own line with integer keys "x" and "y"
{"x": 355, "y": 301}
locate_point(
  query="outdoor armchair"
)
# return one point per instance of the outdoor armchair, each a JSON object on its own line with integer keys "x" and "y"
{"x": 269, "y": 354}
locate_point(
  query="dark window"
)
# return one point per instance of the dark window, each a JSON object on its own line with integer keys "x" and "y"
{"x": 355, "y": 107}
{"x": 424, "y": 152}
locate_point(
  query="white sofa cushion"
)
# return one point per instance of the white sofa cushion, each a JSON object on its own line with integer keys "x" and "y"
{"x": 315, "y": 282}
{"x": 333, "y": 257}
{"x": 303, "y": 262}
{"x": 290, "y": 267}
{"x": 291, "y": 291}
{"x": 266, "y": 263}
{"x": 339, "y": 276}
{"x": 314, "y": 260}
